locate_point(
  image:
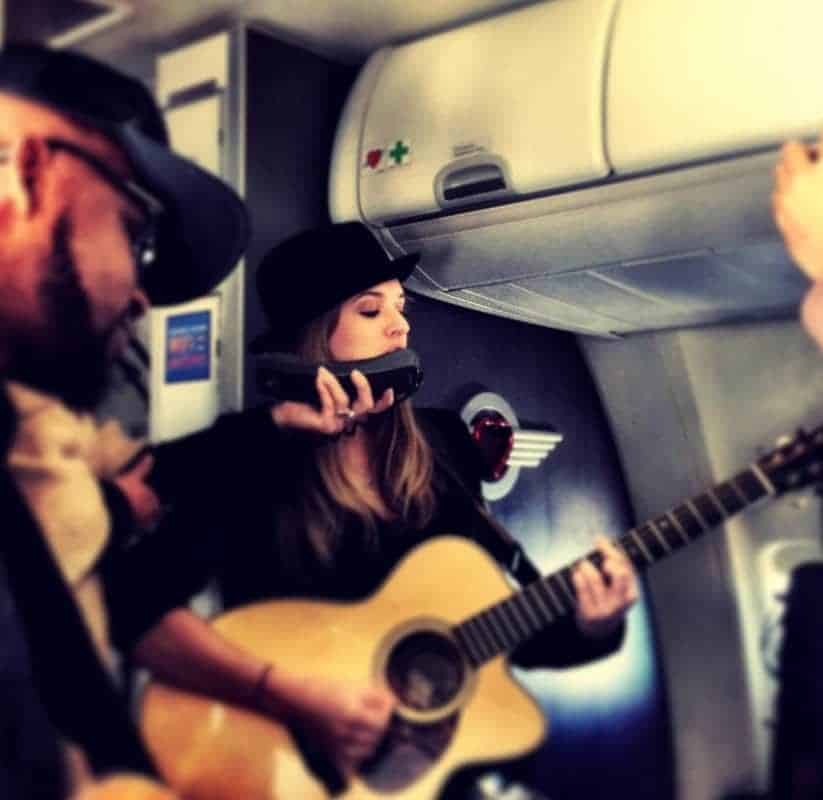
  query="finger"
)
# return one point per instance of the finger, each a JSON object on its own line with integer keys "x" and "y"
{"x": 379, "y": 698}
{"x": 151, "y": 499}
{"x": 617, "y": 589}
{"x": 777, "y": 210}
{"x": 811, "y": 312}
{"x": 585, "y": 605}
{"x": 603, "y": 544}
{"x": 616, "y": 570}
{"x": 363, "y": 735}
{"x": 355, "y": 755}
{"x": 782, "y": 178}
{"x": 614, "y": 559}
{"x": 583, "y": 591}
{"x": 377, "y": 718}
{"x": 361, "y": 743}
{"x": 329, "y": 419}
{"x": 130, "y": 466}
{"x": 385, "y": 402}
{"x": 620, "y": 588}
{"x": 365, "y": 400}
{"x": 302, "y": 416}
{"x": 589, "y": 572}
{"x": 784, "y": 174}
{"x": 324, "y": 395}
{"x": 612, "y": 553}
{"x": 144, "y": 466}
{"x": 624, "y": 588}
{"x": 338, "y": 393}
{"x": 794, "y": 157}
{"x": 346, "y": 765}
{"x": 631, "y": 592}
{"x": 595, "y": 584}
{"x": 370, "y": 721}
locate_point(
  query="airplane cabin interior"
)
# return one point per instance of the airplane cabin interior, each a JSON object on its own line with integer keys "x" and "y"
{"x": 588, "y": 184}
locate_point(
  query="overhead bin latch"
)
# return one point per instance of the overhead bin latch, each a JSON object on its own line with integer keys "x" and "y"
{"x": 467, "y": 180}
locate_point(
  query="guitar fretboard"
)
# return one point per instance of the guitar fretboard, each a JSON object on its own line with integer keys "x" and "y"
{"x": 504, "y": 626}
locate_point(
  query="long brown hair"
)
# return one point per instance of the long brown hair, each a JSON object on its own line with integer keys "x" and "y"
{"x": 404, "y": 479}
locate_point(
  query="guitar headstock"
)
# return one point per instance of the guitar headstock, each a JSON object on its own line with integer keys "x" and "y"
{"x": 795, "y": 463}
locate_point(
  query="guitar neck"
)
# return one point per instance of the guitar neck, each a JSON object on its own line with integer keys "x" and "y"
{"x": 504, "y": 626}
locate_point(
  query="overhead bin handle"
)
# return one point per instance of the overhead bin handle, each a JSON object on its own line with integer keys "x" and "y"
{"x": 466, "y": 180}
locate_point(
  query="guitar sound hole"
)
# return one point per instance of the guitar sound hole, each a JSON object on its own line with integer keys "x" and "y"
{"x": 425, "y": 670}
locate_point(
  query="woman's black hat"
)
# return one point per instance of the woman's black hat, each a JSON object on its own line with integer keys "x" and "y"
{"x": 316, "y": 270}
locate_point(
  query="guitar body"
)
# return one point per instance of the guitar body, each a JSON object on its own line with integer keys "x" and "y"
{"x": 125, "y": 787}
{"x": 450, "y": 713}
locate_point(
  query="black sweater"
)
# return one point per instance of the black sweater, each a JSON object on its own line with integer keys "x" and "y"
{"x": 227, "y": 487}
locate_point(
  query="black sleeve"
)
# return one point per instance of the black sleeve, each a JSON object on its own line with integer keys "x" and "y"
{"x": 562, "y": 644}
{"x": 198, "y": 479}
{"x": 31, "y": 761}
{"x": 212, "y": 458}
{"x": 120, "y": 515}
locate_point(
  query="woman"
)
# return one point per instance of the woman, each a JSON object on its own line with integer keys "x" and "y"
{"x": 323, "y": 501}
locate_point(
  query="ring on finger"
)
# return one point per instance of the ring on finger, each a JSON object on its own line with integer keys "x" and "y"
{"x": 345, "y": 413}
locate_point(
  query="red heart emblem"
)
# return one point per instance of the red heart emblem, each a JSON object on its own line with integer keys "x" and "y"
{"x": 495, "y": 438}
{"x": 373, "y": 158}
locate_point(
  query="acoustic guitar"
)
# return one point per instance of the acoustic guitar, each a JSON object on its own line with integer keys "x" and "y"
{"x": 437, "y": 633}
{"x": 125, "y": 787}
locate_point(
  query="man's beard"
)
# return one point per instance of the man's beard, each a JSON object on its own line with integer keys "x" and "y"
{"x": 66, "y": 357}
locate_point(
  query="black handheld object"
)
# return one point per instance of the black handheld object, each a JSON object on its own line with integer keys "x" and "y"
{"x": 286, "y": 377}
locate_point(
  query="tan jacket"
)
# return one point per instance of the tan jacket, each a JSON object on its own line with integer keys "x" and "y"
{"x": 57, "y": 459}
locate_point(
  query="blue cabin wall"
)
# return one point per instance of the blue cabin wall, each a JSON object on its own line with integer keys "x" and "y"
{"x": 609, "y": 728}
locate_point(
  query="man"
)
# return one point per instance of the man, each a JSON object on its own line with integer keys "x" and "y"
{"x": 798, "y": 211}
{"x": 97, "y": 219}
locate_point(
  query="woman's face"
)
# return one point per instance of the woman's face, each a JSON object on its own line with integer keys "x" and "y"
{"x": 371, "y": 323}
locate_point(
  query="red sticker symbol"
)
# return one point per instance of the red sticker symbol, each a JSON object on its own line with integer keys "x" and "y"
{"x": 373, "y": 158}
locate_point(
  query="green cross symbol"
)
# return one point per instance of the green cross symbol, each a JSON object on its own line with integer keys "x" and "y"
{"x": 398, "y": 151}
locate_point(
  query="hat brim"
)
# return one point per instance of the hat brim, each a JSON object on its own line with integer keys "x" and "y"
{"x": 399, "y": 268}
{"x": 206, "y": 228}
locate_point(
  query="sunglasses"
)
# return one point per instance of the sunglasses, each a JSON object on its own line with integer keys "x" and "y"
{"x": 143, "y": 239}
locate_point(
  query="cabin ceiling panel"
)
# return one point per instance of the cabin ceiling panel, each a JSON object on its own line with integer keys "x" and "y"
{"x": 343, "y": 30}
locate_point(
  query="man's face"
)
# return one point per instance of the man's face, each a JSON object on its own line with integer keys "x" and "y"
{"x": 75, "y": 284}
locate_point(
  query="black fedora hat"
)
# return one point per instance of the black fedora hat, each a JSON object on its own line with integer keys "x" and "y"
{"x": 204, "y": 227}
{"x": 314, "y": 271}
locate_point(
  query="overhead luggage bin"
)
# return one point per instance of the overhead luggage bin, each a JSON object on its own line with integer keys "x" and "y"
{"x": 600, "y": 167}
{"x": 698, "y": 80}
{"x": 502, "y": 108}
